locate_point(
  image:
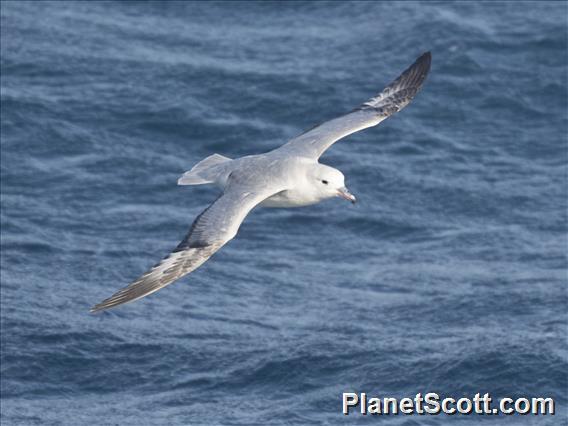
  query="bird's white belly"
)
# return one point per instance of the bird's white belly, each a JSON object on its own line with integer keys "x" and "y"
{"x": 290, "y": 198}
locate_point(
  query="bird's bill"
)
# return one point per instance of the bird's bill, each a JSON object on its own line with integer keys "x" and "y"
{"x": 344, "y": 193}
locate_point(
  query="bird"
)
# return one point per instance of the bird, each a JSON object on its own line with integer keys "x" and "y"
{"x": 288, "y": 176}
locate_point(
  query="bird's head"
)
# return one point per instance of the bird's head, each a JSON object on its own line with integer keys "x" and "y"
{"x": 329, "y": 182}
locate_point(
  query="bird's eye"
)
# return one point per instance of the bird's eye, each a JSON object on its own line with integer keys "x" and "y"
{"x": 325, "y": 182}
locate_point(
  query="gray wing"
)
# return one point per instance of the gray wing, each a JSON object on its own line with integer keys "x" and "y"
{"x": 392, "y": 99}
{"x": 211, "y": 230}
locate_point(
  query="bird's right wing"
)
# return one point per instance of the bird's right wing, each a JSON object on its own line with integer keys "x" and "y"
{"x": 393, "y": 98}
{"x": 211, "y": 230}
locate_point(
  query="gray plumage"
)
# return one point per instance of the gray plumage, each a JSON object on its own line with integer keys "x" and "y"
{"x": 392, "y": 99}
{"x": 289, "y": 176}
{"x": 210, "y": 231}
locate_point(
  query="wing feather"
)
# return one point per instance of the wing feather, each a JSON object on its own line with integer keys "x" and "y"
{"x": 314, "y": 142}
{"x": 211, "y": 230}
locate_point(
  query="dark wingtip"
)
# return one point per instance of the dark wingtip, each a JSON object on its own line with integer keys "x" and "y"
{"x": 95, "y": 309}
{"x": 416, "y": 73}
{"x": 423, "y": 62}
{"x": 401, "y": 91}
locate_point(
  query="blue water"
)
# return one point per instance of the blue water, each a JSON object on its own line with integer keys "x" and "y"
{"x": 449, "y": 276}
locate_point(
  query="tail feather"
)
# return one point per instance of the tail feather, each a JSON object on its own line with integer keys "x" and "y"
{"x": 204, "y": 171}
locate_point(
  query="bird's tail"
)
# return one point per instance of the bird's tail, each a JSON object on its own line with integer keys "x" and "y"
{"x": 206, "y": 171}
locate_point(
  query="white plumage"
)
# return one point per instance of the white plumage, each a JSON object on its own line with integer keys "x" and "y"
{"x": 289, "y": 176}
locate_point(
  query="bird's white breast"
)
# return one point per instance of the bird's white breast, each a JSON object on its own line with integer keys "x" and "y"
{"x": 291, "y": 198}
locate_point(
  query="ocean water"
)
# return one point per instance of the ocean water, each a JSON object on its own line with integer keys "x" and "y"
{"x": 448, "y": 276}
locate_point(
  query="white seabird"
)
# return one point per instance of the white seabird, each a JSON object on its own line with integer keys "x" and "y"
{"x": 289, "y": 176}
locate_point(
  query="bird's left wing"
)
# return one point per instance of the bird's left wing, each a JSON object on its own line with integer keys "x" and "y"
{"x": 393, "y": 98}
{"x": 211, "y": 230}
